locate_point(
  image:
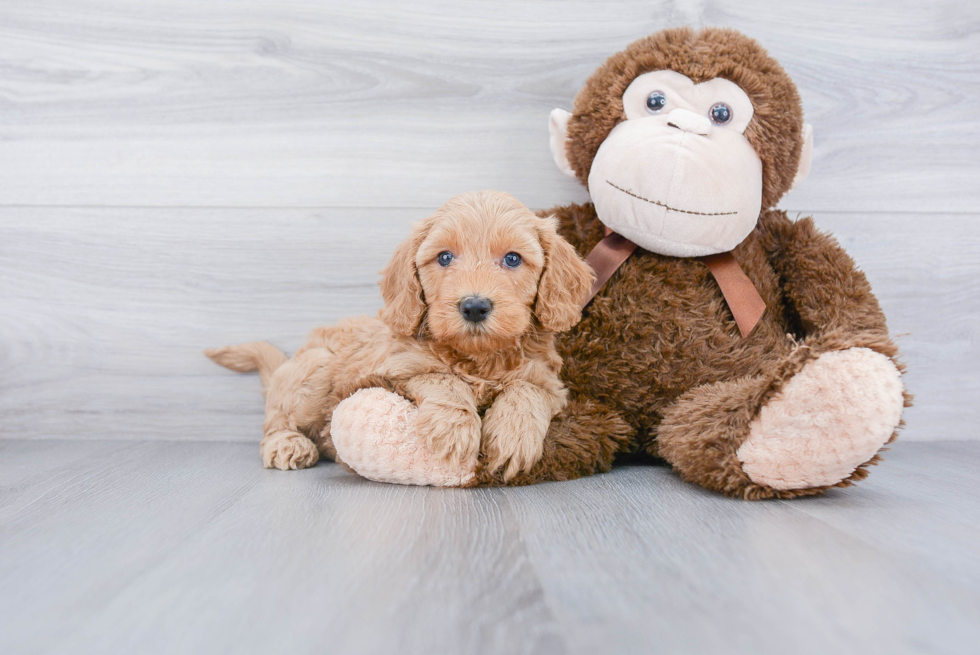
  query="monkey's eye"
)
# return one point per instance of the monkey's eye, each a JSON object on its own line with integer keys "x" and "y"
{"x": 721, "y": 114}
{"x": 512, "y": 260}
{"x": 656, "y": 101}
{"x": 445, "y": 258}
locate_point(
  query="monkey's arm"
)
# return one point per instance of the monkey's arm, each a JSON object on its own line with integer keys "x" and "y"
{"x": 375, "y": 434}
{"x": 831, "y": 298}
{"x": 448, "y": 422}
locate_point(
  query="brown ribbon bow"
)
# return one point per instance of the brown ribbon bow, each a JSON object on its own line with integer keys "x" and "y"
{"x": 743, "y": 299}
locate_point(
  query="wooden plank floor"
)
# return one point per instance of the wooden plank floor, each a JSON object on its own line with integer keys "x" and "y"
{"x": 190, "y": 547}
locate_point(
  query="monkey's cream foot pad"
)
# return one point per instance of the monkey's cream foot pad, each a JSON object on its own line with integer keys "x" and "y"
{"x": 374, "y": 434}
{"x": 833, "y": 416}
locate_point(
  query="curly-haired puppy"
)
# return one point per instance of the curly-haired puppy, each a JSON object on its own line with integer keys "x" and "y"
{"x": 472, "y": 300}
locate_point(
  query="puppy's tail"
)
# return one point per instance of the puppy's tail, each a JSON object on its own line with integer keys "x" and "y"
{"x": 248, "y": 357}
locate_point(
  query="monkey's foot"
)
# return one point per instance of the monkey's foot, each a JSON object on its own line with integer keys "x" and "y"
{"x": 374, "y": 433}
{"x": 830, "y": 418}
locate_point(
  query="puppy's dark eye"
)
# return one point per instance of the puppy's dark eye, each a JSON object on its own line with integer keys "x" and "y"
{"x": 512, "y": 260}
{"x": 445, "y": 258}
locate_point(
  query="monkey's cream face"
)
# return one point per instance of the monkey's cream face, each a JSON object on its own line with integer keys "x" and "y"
{"x": 678, "y": 177}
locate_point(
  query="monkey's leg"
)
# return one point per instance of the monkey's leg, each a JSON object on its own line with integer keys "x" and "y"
{"x": 374, "y": 434}
{"x": 816, "y": 423}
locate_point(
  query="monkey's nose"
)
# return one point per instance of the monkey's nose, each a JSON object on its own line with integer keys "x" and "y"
{"x": 684, "y": 119}
{"x": 475, "y": 308}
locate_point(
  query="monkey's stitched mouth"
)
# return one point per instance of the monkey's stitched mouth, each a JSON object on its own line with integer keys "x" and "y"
{"x": 668, "y": 207}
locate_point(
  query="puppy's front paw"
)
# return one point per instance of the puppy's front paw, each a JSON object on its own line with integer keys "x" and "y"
{"x": 288, "y": 451}
{"x": 513, "y": 441}
{"x": 451, "y": 435}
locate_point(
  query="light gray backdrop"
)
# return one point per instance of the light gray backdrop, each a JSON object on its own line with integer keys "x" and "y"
{"x": 177, "y": 174}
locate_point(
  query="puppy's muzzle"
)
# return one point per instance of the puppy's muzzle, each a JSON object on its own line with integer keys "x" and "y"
{"x": 475, "y": 309}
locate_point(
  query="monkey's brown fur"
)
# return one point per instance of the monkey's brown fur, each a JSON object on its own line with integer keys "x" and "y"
{"x": 657, "y": 366}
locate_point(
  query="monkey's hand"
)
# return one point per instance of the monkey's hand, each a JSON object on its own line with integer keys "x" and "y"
{"x": 514, "y": 428}
{"x": 374, "y": 432}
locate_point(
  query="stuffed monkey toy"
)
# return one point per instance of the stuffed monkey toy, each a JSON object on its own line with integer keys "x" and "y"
{"x": 743, "y": 348}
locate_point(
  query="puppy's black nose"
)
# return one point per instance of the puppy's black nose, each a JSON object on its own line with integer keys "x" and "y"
{"x": 475, "y": 309}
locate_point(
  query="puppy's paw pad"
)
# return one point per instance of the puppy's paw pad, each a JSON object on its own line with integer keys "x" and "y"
{"x": 519, "y": 461}
{"x": 514, "y": 451}
{"x": 451, "y": 439}
{"x": 289, "y": 451}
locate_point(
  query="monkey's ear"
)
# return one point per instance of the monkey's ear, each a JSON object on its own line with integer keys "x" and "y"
{"x": 565, "y": 282}
{"x": 558, "y": 128}
{"x": 401, "y": 287}
{"x": 806, "y": 156}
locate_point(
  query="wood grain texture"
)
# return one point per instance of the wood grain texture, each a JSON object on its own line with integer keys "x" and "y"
{"x": 104, "y": 312}
{"x": 669, "y": 564}
{"x": 192, "y": 548}
{"x": 404, "y": 104}
{"x": 153, "y": 547}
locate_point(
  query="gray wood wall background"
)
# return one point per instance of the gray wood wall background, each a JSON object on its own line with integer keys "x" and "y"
{"x": 178, "y": 174}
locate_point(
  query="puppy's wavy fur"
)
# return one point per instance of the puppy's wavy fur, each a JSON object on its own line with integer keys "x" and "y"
{"x": 492, "y": 383}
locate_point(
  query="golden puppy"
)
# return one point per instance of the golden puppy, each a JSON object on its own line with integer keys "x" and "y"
{"x": 472, "y": 300}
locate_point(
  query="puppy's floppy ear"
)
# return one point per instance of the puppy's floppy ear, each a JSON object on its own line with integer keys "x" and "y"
{"x": 565, "y": 282}
{"x": 401, "y": 287}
